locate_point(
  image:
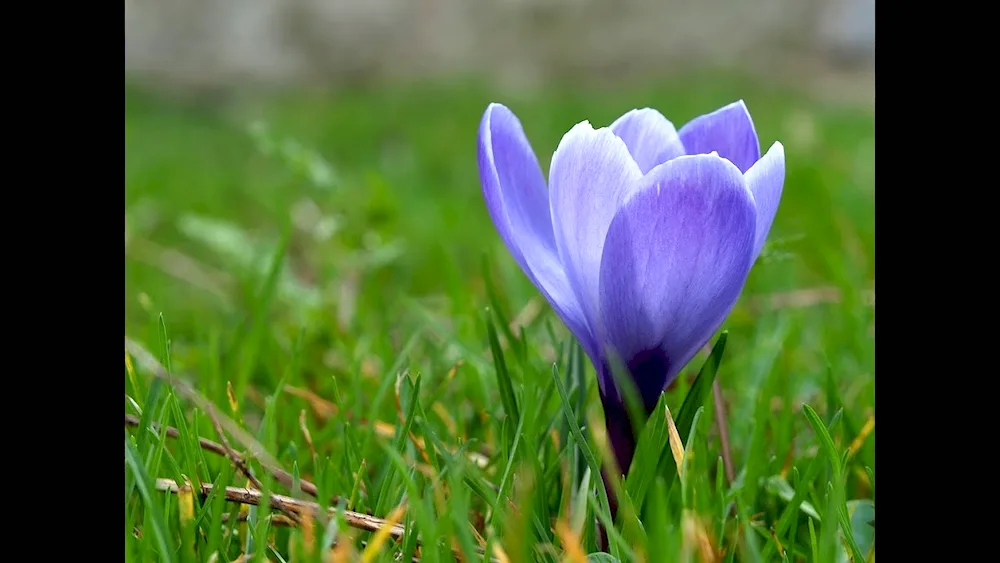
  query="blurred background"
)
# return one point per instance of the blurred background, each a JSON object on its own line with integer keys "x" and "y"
{"x": 301, "y": 174}
{"x": 219, "y": 44}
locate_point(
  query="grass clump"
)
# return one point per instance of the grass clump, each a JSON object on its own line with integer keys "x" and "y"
{"x": 315, "y": 296}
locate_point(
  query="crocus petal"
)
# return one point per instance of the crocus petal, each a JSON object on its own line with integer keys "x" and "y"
{"x": 592, "y": 172}
{"x": 728, "y": 131}
{"x": 517, "y": 200}
{"x": 766, "y": 179}
{"x": 650, "y": 137}
{"x": 675, "y": 260}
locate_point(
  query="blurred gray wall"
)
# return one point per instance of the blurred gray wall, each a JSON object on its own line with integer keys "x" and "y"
{"x": 220, "y": 43}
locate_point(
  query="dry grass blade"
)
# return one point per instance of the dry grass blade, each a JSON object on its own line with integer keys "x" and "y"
{"x": 572, "y": 548}
{"x": 697, "y": 540}
{"x": 185, "y": 501}
{"x": 859, "y": 440}
{"x": 325, "y": 409}
{"x": 321, "y": 407}
{"x": 527, "y": 314}
{"x": 499, "y": 554}
{"x": 306, "y": 434}
{"x": 343, "y": 550}
{"x": 375, "y": 546}
{"x": 676, "y": 446}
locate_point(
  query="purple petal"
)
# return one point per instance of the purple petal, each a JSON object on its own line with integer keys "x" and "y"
{"x": 591, "y": 174}
{"x": 650, "y": 137}
{"x": 675, "y": 260}
{"x": 766, "y": 179}
{"x": 517, "y": 200}
{"x": 728, "y": 131}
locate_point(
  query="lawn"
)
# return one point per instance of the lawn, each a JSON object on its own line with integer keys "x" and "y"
{"x": 318, "y": 275}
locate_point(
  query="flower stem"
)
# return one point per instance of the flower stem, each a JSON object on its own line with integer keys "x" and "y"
{"x": 623, "y": 441}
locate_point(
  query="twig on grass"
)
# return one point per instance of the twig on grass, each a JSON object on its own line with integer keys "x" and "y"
{"x": 723, "y": 427}
{"x": 282, "y": 476}
{"x": 236, "y": 459}
{"x": 277, "y": 520}
{"x": 205, "y": 443}
{"x": 279, "y": 474}
{"x": 148, "y": 362}
{"x": 243, "y": 495}
{"x": 357, "y": 520}
{"x": 239, "y": 461}
{"x": 801, "y": 298}
{"x": 234, "y": 494}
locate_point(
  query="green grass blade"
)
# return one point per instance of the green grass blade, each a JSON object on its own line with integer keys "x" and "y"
{"x": 503, "y": 376}
{"x": 402, "y": 439}
{"x": 505, "y": 480}
{"x": 836, "y": 462}
{"x": 153, "y": 511}
{"x": 649, "y": 451}
{"x": 581, "y": 441}
{"x": 496, "y": 307}
{"x": 653, "y": 444}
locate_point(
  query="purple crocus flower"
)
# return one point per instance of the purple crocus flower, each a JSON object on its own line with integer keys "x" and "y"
{"x": 642, "y": 238}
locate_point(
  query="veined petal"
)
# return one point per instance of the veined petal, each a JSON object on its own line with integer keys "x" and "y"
{"x": 675, "y": 260}
{"x": 512, "y": 177}
{"x": 592, "y": 173}
{"x": 650, "y": 137}
{"x": 517, "y": 200}
{"x": 766, "y": 180}
{"x": 729, "y": 131}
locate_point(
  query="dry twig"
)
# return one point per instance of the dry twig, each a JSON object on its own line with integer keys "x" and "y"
{"x": 235, "y": 458}
{"x": 799, "y": 298}
{"x": 279, "y": 474}
{"x": 206, "y": 444}
{"x": 723, "y": 427}
{"x": 277, "y": 520}
{"x": 236, "y": 494}
{"x": 183, "y": 388}
{"x": 241, "y": 495}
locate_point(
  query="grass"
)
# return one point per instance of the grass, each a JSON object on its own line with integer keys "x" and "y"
{"x": 321, "y": 269}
